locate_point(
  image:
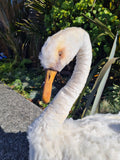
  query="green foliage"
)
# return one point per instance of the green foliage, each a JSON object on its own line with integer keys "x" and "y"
{"x": 17, "y": 85}
{"x": 70, "y": 13}
{"x": 25, "y": 81}
{"x": 114, "y": 6}
{"x": 111, "y": 104}
{"x": 34, "y": 25}
{"x": 105, "y": 77}
{"x": 25, "y": 62}
{"x": 50, "y": 16}
{"x": 5, "y": 67}
{"x": 9, "y": 36}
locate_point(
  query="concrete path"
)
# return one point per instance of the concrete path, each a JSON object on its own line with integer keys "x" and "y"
{"x": 16, "y": 114}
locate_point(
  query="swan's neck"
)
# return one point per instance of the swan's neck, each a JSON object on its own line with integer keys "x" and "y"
{"x": 59, "y": 108}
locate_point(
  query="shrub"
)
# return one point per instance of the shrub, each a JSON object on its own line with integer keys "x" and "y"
{"x": 112, "y": 100}
{"x": 70, "y": 13}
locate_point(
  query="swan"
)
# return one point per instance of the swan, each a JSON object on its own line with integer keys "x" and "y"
{"x": 54, "y": 137}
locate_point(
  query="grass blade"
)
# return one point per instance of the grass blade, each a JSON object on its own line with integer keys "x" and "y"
{"x": 97, "y": 83}
{"x": 104, "y": 79}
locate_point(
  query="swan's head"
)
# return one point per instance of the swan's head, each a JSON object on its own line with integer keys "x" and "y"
{"x": 54, "y": 56}
{"x": 58, "y": 51}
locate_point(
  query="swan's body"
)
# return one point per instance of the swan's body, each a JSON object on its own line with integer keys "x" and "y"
{"x": 51, "y": 136}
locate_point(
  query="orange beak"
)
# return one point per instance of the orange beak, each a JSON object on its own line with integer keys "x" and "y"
{"x": 50, "y": 75}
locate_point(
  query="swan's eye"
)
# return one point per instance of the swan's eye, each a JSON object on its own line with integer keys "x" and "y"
{"x": 60, "y": 53}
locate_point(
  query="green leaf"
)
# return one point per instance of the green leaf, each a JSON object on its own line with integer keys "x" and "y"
{"x": 101, "y": 25}
{"x": 101, "y": 81}
{"x": 97, "y": 83}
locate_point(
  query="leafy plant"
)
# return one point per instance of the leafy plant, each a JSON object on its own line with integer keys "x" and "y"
{"x": 105, "y": 77}
{"x": 9, "y": 13}
{"x": 17, "y": 84}
{"x": 71, "y": 13}
{"x": 25, "y": 62}
{"x": 25, "y": 80}
{"x": 50, "y": 16}
{"x": 33, "y": 26}
{"x": 111, "y": 102}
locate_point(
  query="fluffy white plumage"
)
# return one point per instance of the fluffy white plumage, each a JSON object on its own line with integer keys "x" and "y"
{"x": 53, "y": 137}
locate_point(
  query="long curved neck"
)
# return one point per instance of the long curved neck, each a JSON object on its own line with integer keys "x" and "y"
{"x": 59, "y": 108}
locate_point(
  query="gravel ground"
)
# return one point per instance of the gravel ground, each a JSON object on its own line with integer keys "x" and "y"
{"x": 16, "y": 114}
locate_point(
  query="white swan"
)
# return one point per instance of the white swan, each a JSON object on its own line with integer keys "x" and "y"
{"x": 52, "y": 136}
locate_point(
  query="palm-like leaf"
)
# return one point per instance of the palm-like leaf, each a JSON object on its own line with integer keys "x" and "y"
{"x": 38, "y": 5}
{"x": 8, "y": 30}
{"x": 35, "y": 23}
{"x": 3, "y": 15}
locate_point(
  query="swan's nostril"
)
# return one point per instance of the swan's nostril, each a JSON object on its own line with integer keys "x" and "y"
{"x": 49, "y": 77}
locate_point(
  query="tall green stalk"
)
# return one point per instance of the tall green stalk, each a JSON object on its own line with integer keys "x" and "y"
{"x": 104, "y": 80}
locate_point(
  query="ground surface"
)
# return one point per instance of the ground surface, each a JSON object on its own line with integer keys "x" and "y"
{"x": 16, "y": 113}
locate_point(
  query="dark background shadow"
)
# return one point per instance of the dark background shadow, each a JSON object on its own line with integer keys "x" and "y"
{"x": 13, "y": 146}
